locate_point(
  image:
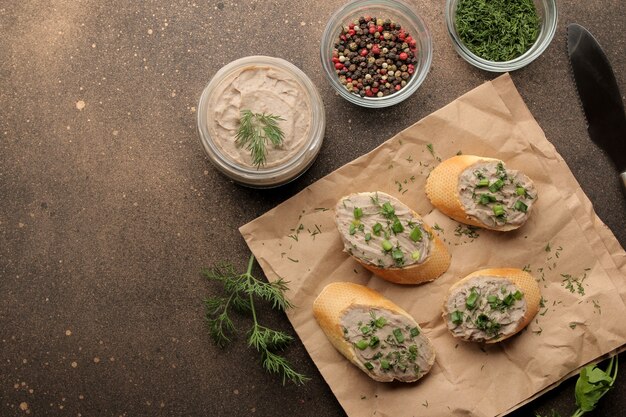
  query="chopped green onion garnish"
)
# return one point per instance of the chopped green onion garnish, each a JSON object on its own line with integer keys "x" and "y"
{"x": 365, "y": 329}
{"x": 520, "y": 191}
{"x": 380, "y": 322}
{"x": 498, "y": 210}
{"x": 397, "y": 254}
{"x": 484, "y": 182}
{"x": 456, "y": 317}
{"x": 368, "y": 237}
{"x": 388, "y": 210}
{"x": 520, "y": 206}
{"x": 471, "y": 299}
{"x": 384, "y": 363}
{"x": 377, "y": 228}
{"x": 368, "y": 365}
{"x": 414, "y": 331}
{"x": 492, "y": 299}
{"x": 374, "y": 341}
{"x": 416, "y": 234}
{"x": 358, "y": 213}
{"x": 482, "y": 321}
{"x": 487, "y": 198}
{"x": 496, "y": 185}
{"x": 397, "y": 333}
{"x": 362, "y": 344}
{"x": 518, "y": 295}
{"x": 352, "y": 228}
{"x": 509, "y": 300}
{"x": 387, "y": 246}
{"x": 397, "y": 226}
{"x": 416, "y": 255}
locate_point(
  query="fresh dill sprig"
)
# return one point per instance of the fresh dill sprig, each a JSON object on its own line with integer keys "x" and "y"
{"x": 256, "y": 131}
{"x": 240, "y": 293}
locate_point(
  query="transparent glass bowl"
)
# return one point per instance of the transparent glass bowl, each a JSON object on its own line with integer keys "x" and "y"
{"x": 295, "y": 162}
{"x": 396, "y": 11}
{"x": 548, "y": 15}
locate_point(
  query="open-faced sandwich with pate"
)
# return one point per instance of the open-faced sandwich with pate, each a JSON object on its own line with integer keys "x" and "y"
{"x": 373, "y": 333}
{"x": 482, "y": 192}
{"x": 388, "y": 238}
{"x": 491, "y": 305}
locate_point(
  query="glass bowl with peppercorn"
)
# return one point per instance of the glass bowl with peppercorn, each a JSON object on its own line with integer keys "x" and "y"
{"x": 376, "y": 53}
{"x": 501, "y": 35}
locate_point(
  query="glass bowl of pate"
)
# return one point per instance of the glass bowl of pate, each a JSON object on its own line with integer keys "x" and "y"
{"x": 253, "y": 90}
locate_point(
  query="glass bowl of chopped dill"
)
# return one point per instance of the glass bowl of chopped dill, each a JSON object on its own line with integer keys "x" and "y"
{"x": 501, "y": 35}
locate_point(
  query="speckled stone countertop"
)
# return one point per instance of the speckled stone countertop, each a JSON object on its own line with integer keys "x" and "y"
{"x": 109, "y": 207}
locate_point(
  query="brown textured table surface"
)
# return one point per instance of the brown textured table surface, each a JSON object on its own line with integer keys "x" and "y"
{"x": 109, "y": 207}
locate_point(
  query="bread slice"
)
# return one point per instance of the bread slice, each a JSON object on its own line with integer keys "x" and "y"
{"x": 350, "y": 314}
{"x": 491, "y": 305}
{"x": 453, "y": 188}
{"x": 390, "y": 239}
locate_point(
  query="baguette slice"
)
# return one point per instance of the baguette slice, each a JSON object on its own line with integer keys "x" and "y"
{"x": 491, "y": 305}
{"x": 453, "y": 188}
{"x": 413, "y": 255}
{"x": 352, "y": 314}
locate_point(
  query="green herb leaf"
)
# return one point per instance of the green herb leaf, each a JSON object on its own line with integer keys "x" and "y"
{"x": 593, "y": 383}
{"x": 256, "y": 131}
{"x": 241, "y": 291}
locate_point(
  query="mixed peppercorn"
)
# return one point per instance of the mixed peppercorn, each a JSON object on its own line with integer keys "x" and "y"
{"x": 374, "y": 57}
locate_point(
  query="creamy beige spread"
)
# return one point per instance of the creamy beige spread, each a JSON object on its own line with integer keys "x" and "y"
{"x": 380, "y": 230}
{"x": 485, "y": 308}
{"x": 496, "y": 196}
{"x": 260, "y": 89}
{"x": 389, "y": 345}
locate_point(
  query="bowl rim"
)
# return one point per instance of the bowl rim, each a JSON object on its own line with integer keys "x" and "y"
{"x": 280, "y": 174}
{"x": 405, "y": 12}
{"x": 550, "y": 22}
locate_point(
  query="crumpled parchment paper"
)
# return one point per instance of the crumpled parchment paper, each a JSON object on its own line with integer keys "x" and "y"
{"x": 578, "y": 263}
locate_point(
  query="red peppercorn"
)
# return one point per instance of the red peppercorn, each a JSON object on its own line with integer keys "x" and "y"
{"x": 410, "y": 69}
{"x": 369, "y": 93}
{"x": 339, "y": 66}
{"x": 343, "y": 37}
{"x": 348, "y": 80}
{"x": 351, "y": 32}
{"x": 374, "y": 90}
{"x": 398, "y": 87}
{"x": 351, "y": 26}
{"x": 412, "y": 43}
{"x": 335, "y": 59}
{"x": 364, "y": 52}
{"x": 372, "y": 30}
{"x": 375, "y": 49}
{"x": 403, "y": 56}
{"x": 379, "y": 29}
{"x": 368, "y": 18}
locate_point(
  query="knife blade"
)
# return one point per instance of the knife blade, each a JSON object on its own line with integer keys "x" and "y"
{"x": 599, "y": 95}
